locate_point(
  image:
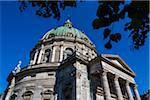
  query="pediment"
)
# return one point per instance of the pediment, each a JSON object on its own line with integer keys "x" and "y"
{"x": 115, "y": 59}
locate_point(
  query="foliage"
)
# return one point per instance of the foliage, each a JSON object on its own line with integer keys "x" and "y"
{"x": 108, "y": 12}
{"x": 47, "y": 8}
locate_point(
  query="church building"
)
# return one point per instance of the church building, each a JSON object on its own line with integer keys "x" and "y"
{"x": 64, "y": 65}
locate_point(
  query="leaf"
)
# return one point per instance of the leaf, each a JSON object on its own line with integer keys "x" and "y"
{"x": 96, "y": 23}
{"x": 108, "y": 45}
{"x": 118, "y": 35}
{"x": 115, "y": 37}
{"x": 103, "y": 10}
{"x": 106, "y": 33}
{"x": 101, "y": 22}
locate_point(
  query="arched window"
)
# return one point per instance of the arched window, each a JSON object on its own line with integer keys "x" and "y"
{"x": 68, "y": 52}
{"x": 27, "y": 95}
{"x": 13, "y": 97}
{"x": 47, "y": 95}
{"x": 47, "y": 56}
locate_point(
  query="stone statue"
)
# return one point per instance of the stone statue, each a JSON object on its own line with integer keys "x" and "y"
{"x": 17, "y": 68}
{"x": 12, "y": 83}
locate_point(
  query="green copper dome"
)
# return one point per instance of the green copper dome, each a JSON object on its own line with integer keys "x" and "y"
{"x": 66, "y": 30}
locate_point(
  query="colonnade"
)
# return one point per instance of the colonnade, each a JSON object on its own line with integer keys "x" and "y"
{"x": 38, "y": 55}
{"x": 106, "y": 88}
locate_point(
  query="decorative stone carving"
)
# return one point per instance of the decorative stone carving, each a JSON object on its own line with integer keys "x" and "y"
{"x": 17, "y": 68}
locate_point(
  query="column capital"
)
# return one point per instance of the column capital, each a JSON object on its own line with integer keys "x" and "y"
{"x": 127, "y": 83}
{"x": 54, "y": 46}
{"x": 42, "y": 46}
{"x": 136, "y": 92}
{"x": 135, "y": 86}
{"x": 62, "y": 43}
{"x": 104, "y": 72}
{"x": 37, "y": 50}
{"x": 116, "y": 77}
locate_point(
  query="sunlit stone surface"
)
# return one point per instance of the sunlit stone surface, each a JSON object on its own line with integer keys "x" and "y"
{"x": 64, "y": 65}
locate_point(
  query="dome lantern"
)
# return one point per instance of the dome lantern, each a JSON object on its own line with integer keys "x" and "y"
{"x": 68, "y": 24}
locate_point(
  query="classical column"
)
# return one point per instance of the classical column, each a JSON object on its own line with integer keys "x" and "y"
{"x": 137, "y": 96}
{"x": 106, "y": 85}
{"x": 40, "y": 56}
{"x": 118, "y": 90}
{"x": 35, "y": 57}
{"x": 53, "y": 53}
{"x": 129, "y": 91}
{"x": 61, "y": 53}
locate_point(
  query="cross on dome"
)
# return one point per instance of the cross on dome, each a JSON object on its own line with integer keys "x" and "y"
{"x": 68, "y": 23}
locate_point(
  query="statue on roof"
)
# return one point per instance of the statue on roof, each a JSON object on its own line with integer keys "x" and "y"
{"x": 17, "y": 68}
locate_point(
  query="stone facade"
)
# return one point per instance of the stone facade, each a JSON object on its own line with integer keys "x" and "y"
{"x": 65, "y": 65}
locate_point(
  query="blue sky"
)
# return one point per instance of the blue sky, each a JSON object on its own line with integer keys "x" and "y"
{"x": 19, "y": 32}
